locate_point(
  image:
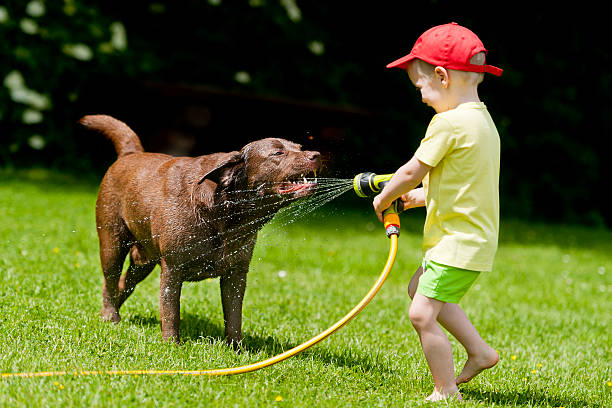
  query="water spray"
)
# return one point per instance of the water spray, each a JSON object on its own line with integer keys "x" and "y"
{"x": 364, "y": 185}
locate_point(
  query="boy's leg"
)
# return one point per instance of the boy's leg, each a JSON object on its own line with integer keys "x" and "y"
{"x": 414, "y": 282}
{"x": 480, "y": 355}
{"x": 436, "y": 346}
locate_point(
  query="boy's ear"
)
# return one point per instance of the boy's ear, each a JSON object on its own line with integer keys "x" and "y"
{"x": 442, "y": 76}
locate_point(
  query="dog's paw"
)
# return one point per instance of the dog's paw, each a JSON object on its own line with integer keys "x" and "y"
{"x": 236, "y": 345}
{"x": 110, "y": 315}
{"x": 171, "y": 338}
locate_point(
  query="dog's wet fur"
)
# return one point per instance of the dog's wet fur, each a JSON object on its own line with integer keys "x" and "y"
{"x": 197, "y": 217}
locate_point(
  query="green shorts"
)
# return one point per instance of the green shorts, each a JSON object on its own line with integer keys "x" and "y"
{"x": 445, "y": 283}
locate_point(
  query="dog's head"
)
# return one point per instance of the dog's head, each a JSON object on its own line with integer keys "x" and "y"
{"x": 271, "y": 167}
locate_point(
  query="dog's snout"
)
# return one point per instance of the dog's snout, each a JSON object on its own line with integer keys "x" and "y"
{"x": 313, "y": 156}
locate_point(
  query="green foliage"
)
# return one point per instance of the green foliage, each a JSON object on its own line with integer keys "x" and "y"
{"x": 53, "y": 48}
{"x": 545, "y": 308}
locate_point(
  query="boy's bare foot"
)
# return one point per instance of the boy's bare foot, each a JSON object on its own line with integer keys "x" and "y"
{"x": 477, "y": 363}
{"x": 440, "y": 396}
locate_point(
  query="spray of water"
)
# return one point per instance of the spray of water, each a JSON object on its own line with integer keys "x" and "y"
{"x": 327, "y": 190}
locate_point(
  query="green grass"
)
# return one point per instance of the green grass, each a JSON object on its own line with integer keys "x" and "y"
{"x": 545, "y": 308}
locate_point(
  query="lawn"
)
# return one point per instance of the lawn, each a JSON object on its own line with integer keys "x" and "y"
{"x": 546, "y": 308}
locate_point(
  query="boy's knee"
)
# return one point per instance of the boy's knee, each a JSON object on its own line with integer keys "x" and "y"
{"x": 418, "y": 317}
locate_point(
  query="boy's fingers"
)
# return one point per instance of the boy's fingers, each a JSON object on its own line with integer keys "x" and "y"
{"x": 376, "y": 205}
{"x": 378, "y": 213}
{"x": 406, "y": 201}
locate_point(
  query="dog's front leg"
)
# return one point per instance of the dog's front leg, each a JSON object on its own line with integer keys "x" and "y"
{"x": 232, "y": 292}
{"x": 170, "y": 302}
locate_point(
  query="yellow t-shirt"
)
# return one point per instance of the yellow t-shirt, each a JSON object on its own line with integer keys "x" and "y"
{"x": 462, "y": 188}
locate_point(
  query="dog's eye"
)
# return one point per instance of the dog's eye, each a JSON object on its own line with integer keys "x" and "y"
{"x": 278, "y": 153}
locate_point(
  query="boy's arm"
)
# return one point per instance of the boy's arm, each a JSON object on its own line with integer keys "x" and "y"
{"x": 405, "y": 179}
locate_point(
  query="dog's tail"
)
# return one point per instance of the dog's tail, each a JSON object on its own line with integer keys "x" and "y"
{"x": 124, "y": 139}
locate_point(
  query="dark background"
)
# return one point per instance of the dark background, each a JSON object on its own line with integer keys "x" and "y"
{"x": 204, "y": 76}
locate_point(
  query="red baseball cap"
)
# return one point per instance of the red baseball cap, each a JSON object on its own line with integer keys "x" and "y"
{"x": 450, "y": 46}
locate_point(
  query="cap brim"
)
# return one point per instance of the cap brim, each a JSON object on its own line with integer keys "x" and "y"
{"x": 402, "y": 62}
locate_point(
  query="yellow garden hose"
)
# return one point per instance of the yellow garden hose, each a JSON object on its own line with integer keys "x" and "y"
{"x": 392, "y": 227}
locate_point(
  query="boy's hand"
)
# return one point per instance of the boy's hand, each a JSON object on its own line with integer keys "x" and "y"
{"x": 405, "y": 179}
{"x": 380, "y": 205}
{"x": 414, "y": 198}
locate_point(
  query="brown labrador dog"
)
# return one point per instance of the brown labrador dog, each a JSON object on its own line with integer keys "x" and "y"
{"x": 197, "y": 217}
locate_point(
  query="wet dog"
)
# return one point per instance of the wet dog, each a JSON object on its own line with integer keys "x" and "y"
{"x": 197, "y": 217}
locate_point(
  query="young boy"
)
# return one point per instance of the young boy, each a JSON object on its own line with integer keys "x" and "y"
{"x": 458, "y": 163}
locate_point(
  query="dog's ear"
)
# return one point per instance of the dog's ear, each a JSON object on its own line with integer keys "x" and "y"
{"x": 218, "y": 174}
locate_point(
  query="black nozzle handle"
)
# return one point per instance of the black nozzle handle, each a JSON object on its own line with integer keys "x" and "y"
{"x": 369, "y": 184}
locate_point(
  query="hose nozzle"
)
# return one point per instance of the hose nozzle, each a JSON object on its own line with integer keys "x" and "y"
{"x": 369, "y": 184}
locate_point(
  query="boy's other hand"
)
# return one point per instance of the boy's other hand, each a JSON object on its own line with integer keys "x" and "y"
{"x": 413, "y": 198}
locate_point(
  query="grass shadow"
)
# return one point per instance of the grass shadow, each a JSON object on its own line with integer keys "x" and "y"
{"x": 523, "y": 398}
{"x": 195, "y": 327}
{"x": 143, "y": 320}
{"x": 528, "y": 233}
{"x": 46, "y": 180}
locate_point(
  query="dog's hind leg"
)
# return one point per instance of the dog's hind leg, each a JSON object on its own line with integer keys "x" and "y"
{"x": 140, "y": 267}
{"x": 113, "y": 250}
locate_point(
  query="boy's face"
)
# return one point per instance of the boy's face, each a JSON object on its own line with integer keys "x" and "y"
{"x": 431, "y": 87}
